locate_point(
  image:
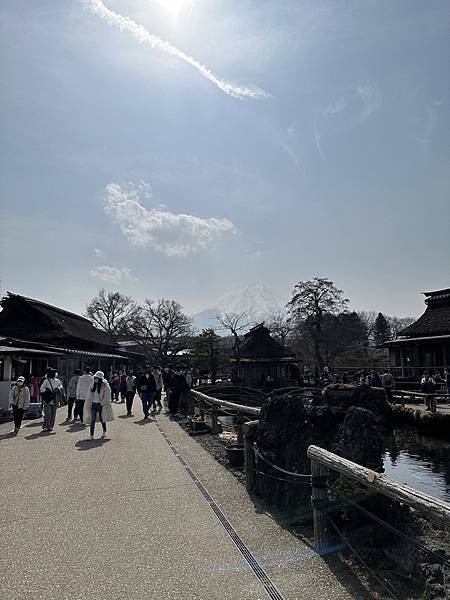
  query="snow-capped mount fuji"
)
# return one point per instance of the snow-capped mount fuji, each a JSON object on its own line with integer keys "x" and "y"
{"x": 255, "y": 299}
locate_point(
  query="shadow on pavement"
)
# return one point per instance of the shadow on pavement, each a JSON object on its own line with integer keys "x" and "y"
{"x": 7, "y": 436}
{"x": 75, "y": 428}
{"x": 144, "y": 421}
{"x": 35, "y": 436}
{"x": 90, "y": 444}
{"x": 38, "y": 424}
{"x": 125, "y": 416}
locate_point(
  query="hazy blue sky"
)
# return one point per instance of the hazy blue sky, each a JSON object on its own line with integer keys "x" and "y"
{"x": 301, "y": 139}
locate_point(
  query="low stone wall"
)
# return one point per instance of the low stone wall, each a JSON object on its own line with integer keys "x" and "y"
{"x": 431, "y": 423}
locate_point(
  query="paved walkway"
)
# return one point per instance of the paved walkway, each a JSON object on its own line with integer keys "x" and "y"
{"x": 133, "y": 517}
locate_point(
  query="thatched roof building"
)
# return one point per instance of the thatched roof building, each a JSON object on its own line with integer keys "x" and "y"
{"x": 425, "y": 344}
{"x": 265, "y": 360}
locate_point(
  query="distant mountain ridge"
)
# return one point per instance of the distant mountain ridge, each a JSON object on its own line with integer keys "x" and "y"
{"x": 255, "y": 299}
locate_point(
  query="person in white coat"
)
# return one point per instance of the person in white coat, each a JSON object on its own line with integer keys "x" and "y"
{"x": 98, "y": 402}
{"x": 85, "y": 383}
{"x": 19, "y": 399}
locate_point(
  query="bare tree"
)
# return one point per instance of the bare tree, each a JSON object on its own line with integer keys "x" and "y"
{"x": 234, "y": 323}
{"x": 281, "y": 326}
{"x": 399, "y": 323}
{"x": 311, "y": 301}
{"x": 112, "y": 312}
{"x": 162, "y": 329}
{"x": 368, "y": 318}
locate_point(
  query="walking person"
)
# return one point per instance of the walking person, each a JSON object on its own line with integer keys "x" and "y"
{"x": 157, "y": 374}
{"x": 178, "y": 387}
{"x": 51, "y": 392}
{"x": 376, "y": 380}
{"x": 72, "y": 392}
{"x": 123, "y": 387}
{"x": 447, "y": 380}
{"x": 146, "y": 386}
{"x": 34, "y": 388}
{"x": 97, "y": 404}
{"x": 130, "y": 391}
{"x": 115, "y": 387}
{"x": 19, "y": 399}
{"x": 388, "y": 383}
{"x": 85, "y": 383}
{"x": 167, "y": 376}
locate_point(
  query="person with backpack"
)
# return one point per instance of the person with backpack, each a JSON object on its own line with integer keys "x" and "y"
{"x": 98, "y": 404}
{"x": 51, "y": 392}
{"x": 72, "y": 392}
{"x": 19, "y": 398}
{"x": 84, "y": 384}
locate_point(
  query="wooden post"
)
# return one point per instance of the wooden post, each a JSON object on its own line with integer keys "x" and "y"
{"x": 240, "y": 420}
{"x": 249, "y": 431}
{"x": 378, "y": 482}
{"x": 214, "y": 419}
{"x": 318, "y": 500}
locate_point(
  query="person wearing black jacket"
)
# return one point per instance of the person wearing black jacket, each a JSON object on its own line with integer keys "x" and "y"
{"x": 146, "y": 386}
{"x": 167, "y": 376}
{"x": 178, "y": 387}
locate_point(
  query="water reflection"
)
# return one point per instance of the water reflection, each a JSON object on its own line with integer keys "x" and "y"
{"x": 421, "y": 461}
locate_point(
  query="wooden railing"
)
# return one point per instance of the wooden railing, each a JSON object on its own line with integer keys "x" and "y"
{"x": 323, "y": 461}
{"x": 430, "y": 400}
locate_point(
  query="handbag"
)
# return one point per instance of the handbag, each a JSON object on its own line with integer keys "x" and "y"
{"x": 48, "y": 395}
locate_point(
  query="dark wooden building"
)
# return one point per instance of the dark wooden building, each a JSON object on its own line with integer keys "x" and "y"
{"x": 34, "y": 335}
{"x": 263, "y": 357}
{"x": 425, "y": 344}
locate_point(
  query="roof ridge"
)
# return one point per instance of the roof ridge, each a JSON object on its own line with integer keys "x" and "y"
{"x": 51, "y": 306}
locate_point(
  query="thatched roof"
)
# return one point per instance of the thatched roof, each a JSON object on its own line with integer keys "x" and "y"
{"x": 258, "y": 343}
{"x": 435, "y": 320}
{"x": 30, "y": 319}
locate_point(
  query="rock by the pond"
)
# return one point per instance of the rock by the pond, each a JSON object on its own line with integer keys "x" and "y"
{"x": 363, "y": 396}
{"x": 359, "y": 440}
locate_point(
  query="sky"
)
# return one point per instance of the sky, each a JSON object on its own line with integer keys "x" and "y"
{"x": 181, "y": 148}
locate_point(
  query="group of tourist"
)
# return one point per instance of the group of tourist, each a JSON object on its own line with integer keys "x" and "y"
{"x": 90, "y": 396}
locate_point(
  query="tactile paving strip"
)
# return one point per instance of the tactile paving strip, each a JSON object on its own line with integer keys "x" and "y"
{"x": 270, "y": 588}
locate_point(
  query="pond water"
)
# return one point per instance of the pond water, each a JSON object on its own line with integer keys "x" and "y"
{"x": 421, "y": 461}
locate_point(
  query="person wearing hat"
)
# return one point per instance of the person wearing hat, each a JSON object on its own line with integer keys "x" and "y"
{"x": 51, "y": 391}
{"x": 98, "y": 402}
{"x": 19, "y": 399}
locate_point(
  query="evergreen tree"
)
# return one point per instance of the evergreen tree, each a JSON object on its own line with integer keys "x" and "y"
{"x": 382, "y": 330}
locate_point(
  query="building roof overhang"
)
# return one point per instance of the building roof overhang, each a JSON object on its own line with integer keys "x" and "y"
{"x": 407, "y": 340}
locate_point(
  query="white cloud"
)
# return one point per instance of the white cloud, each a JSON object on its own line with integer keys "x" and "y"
{"x": 98, "y": 252}
{"x": 370, "y": 97}
{"x": 143, "y": 36}
{"x": 170, "y": 233}
{"x": 114, "y": 275}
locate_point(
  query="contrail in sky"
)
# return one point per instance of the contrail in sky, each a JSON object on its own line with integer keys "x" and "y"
{"x": 139, "y": 32}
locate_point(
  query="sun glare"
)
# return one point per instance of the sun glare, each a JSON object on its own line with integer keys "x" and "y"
{"x": 176, "y": 8}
